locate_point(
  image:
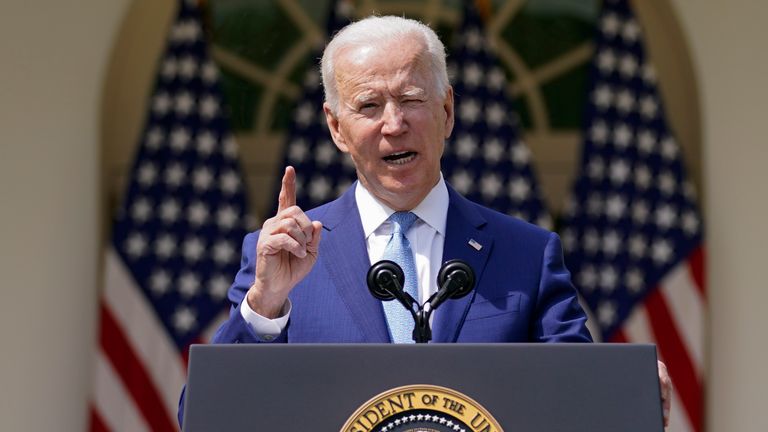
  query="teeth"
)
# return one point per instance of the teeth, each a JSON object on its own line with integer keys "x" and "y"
{"x": 400, "y": 158}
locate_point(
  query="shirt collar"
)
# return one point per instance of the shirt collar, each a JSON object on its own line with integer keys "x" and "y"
{"x": 432, "y": 210}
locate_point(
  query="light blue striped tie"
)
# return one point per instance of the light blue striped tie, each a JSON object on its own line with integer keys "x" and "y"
{"x": 398, "y": 249}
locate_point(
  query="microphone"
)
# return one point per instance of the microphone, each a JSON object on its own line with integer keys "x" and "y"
{"x": 385, "y": 281}
{"x": 455, "y": 280}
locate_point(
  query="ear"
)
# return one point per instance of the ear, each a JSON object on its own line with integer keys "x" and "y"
{"x": 448, "y": 107}
{"x": 333, "y": 126}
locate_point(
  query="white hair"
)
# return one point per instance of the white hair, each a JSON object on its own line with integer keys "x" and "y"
{"x": 377, "y": 30}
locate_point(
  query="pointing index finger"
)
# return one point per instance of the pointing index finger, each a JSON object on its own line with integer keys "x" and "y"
{"x": 287, "y": 197}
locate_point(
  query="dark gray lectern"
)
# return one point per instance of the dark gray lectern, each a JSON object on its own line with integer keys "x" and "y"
{"x": 525, "y": 387}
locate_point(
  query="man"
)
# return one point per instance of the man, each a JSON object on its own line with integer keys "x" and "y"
{"x": 389, "y": 107}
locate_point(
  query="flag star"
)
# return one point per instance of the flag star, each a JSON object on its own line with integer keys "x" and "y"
{"x": 591, "y": 241}
{"x": 606, "y": 313}
{"x": 155, "y": 137}
{"x": 462, "y": 181}
{"x": 649, "y": 107}
{"x": 473, "y": 75}
{"x": 495, "y": 115}
{"x": 625, "y": 101}
{"x": 168, "y": 68}
{"x": 165, "y": 246}
{"x": 325, "y": 154}
{"x": 161, "y": 103}
{"x": 466, "y": 146}
{"x": 197, "y": 214}
{"x": 206, "y": 142}
{"x": 661, "y": 251}
{"x": 493, "y": 151}
{"x": 217, "y": 287}
{"x": 615, "y": 206}
{"x": 147, "y": 174}
{"x": 141, "y": 210}
{"x": 628, "y": 65}
{"x": 640, "y": 212}
{"x": 637, "y": 246}
{"x": 610, "y": 24}
{"x": 643, "y": 177}
{"x": 184, "y": 103}
{"x": 473, "y": 39}
{"x": 209, "y": 107}
{"x": 595, "y": 205}
{"x": 630, "y": 31}
{"x": 596, "y": 168}
{"x": 649, "y": 74}
{"x": 690, "y": 223}
{"x": 608, "y": 278}
{"x": 188, "y": 67}
{"x": 665, "y": 217}
{"x": 230, "y": 148}
{"x": 620, "y": 171}
{"x": 174, "y": 175}
{"x": 304, "y": 114}
{"x": 297, "y": 150}
{"x": 602, "y": 96}
{"x": 635, "y": 281}
{"x": 136, "y": 245}
{"x": 184, "y": 319}
{"x": 606, "y": 60}
{"x": 319, "y": 188}
{"x": 519, "y": 189}
{"x": 469, "y": 110}
{"x": 312, "y": 78}
{"x": 669, "y": 149}
{"x": 599, "y": 132}
{"x": 223, "y": 253}
{"x": 667, "y": 183}
{"x": 189, "y": 284}
{"x": 202, "y": 179}
{"x": 688, "y": 191}
{"x": 193, "y": 249}
{"x": 622, "y": 135}
{"x": 520, "y": 154}
{"x": 496, "y": 79}
{"x": 588, "y": 278}
{"x": 169, "y": 211}
{"x": 180, "y": 139}
{"x": 229, "y": 182}
{"x": 210, "y": 72}
{"x": 646, "y": 141}
{"x": 490, "y": 185}
{"x": 159, "y": 282}
{"x": 343, "y": 186}
{"x": 226, "y": 218}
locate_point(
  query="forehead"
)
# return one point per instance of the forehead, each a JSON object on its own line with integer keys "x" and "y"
{"x": 396, "y": 65}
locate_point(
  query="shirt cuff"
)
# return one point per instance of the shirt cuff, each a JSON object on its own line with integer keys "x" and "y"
{"x": 265, "y": 328}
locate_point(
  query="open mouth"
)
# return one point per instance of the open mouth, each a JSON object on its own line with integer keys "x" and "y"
{"x": 400, "y": 158}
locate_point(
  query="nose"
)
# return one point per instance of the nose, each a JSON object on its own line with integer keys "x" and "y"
{"x": 393, "y": 121}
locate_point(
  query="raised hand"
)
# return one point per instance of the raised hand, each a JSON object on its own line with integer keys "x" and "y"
{"x": 285, "y": 253}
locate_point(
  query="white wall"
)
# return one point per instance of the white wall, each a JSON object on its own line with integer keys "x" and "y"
{"x": 728, "y": 43}
{"x": 53, "y": 61}
{"x": 53, "y": 56}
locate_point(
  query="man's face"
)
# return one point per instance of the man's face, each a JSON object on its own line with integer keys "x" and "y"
{"x": 390, "y": 119}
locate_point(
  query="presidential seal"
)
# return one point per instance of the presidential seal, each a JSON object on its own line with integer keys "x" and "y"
{"x": 421, "y": 408}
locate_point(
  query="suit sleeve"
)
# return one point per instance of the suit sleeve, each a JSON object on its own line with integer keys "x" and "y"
{"x": 559, "y": 316}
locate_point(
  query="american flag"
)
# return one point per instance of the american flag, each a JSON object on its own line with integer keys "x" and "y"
{"x": 322, "y": 171}
{"x": 175, "y": 241}
{"x": 486, "y": 160}
{"x": 632, "y": 230}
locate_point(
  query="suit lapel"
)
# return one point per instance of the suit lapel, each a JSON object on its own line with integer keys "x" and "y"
{"x": 463, "y": 235}
{"x": 345, "y": 256}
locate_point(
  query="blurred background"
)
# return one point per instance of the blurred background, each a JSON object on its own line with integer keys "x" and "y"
{"x": 75, "y": 87}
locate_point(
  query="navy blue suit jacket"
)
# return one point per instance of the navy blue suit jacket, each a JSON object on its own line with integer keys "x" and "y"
{"x": 523, "y": 291}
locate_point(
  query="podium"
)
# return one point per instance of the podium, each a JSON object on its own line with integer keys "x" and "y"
{"x": 433, "y": 387}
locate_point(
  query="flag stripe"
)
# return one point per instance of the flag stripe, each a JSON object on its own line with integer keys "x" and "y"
{"x": 144, "y": 332}
{"x": 697, "y": 262}
{"x": 637, "y": 328}
{"x": 132, "y": 373}
{"x": 97, "y": 424}
{"x": 115, "y": 409}
{"x": 678, "y": 421}
{"x": 682, "y": 296}
{"x": 678, "y": 361}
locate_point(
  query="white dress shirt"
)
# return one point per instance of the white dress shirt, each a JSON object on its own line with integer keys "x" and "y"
{"x": 426, "y": 236}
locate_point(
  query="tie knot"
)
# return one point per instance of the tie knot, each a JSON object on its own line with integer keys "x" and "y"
{"x": 402, "y": 221}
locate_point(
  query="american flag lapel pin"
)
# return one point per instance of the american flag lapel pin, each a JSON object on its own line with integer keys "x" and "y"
{"x": 475, "y": 244}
